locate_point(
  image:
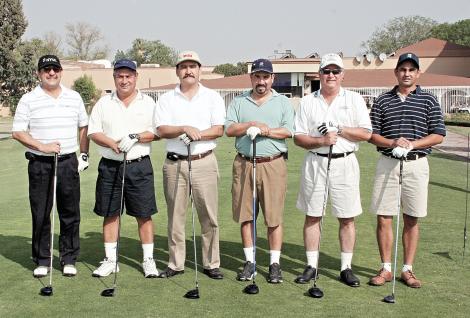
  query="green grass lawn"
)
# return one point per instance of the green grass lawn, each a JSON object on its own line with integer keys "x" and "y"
{"x": 446, "y": 290}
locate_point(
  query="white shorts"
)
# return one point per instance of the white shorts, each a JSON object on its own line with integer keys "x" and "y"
{"x": 414, "y": 195}
{"x": 343, "y": 186}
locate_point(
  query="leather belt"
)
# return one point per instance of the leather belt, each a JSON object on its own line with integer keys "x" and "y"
{"x": 173, "y": 156}
{"x": 264, "y": 159}
{"x": 409, "y": 157}
{"x": 334, "y": 155}
{"x": 129, "y": 161}
{"x": 32, "y": 156}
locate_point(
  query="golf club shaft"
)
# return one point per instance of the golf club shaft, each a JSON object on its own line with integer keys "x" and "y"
{"x": 254, "y": 209}
{"x": 325, "y": 199}
{"x": 54, "y": 209}
{"x": 400, "y": 180}
{"x": 192, "y": 212}
{"x": 466, "y": 200}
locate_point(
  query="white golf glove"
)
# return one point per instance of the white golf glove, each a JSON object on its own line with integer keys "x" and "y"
{"x": 83, "y": 162}
{"x": 127, "y": 142}
{"x": 400, "y": 152}
{"x": 252, "y": 132}
{"x": 324, "y": 129}
{"x": 185, "y": 138}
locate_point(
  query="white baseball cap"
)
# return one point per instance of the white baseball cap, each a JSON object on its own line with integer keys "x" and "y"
{"x": 188, "y": 56}
{"x": 331, "y": 58}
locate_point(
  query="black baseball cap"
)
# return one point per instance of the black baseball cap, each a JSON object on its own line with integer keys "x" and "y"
{"x": 408, "y": 57}
{"x": 262, "y": 65}
{"x": 48, "y": 60}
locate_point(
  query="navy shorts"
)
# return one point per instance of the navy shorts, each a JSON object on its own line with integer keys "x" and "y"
{"x": 139, "y": 189}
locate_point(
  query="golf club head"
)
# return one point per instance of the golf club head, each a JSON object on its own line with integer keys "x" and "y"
{"x": 390, "y": 299}
{"x": 109, "y": 292}
{"x": 251, "y": 289}
{"x": 192, "y": 294}
{"x": 315, "y": 292}
{"x": 46, "y": 291}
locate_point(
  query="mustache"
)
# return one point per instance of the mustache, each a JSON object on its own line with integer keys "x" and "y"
{"x": 188, "y": 75}
{"x": 260, "y": 85}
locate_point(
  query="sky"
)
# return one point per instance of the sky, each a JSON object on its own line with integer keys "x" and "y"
{"x": 232, "y": 31}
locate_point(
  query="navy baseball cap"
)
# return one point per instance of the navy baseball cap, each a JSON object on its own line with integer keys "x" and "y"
{"x": 125, "y": 63}
{"x": 408, "y": 57}
{"x": 262, "y": 65}
{"x": 48, "y": 60}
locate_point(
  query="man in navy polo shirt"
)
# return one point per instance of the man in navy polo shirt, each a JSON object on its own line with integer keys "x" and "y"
{"x": 406, "y": 122}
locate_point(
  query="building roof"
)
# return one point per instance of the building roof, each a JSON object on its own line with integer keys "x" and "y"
{"x": 436, "y": 48}
{"x": 386, "y": 78}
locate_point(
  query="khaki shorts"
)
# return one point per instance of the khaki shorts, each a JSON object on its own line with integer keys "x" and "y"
{"x": 271, "y": 185}
{"x": 343, "y": 186}
{"x": 414, "y": 196}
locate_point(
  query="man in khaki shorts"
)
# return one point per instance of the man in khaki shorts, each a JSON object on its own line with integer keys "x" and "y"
{"x": 269, "y": 116}
{"x": 407, "y": 122}
{"x": 198, "y": 113}
{"x": 338, "y": 117}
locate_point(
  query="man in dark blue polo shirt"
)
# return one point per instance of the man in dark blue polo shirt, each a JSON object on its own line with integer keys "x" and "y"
{"x": 406, "y": 122}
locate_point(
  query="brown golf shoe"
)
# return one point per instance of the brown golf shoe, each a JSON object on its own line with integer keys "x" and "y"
{"x": 410, "y": 279}
{"x": 381, "y": 278}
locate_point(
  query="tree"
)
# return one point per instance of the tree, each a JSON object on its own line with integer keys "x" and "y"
{"x": 86, "y": 88}
{"x": 16, "y": 58}
{"x": 458, "y": 32}
{"x": 84, "y": 39}
{"x": 50, "y": 43}
{"x": 231, "y": 70}
{"x": 145, "y": 51}
{"x": 397, "y": 33}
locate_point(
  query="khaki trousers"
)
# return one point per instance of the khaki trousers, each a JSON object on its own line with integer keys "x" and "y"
{"x": 205, "y": 176}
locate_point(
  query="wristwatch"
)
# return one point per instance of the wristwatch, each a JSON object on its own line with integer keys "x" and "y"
{"x": 134, "y": 136}
{"x": 340, "y": 130}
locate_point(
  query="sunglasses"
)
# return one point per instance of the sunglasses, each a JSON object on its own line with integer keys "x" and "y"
{"x": 328, "y": 71}
{"x": 56, "y": 69}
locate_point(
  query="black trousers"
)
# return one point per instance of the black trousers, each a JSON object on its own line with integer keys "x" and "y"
{"x": 41, "y": 179}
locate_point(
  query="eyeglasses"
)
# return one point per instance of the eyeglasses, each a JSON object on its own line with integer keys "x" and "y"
{"x": 328, "y": 71}
{"x": 56, "y": 69}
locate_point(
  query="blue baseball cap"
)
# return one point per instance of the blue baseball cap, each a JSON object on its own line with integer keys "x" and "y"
{"x": 262, "y": 65}
{"x": 125, "y": 63}
{"x": 408, "y": 57}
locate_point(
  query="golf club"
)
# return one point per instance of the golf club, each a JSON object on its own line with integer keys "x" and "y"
{"x": 253, "y": 289}
{"x": 390, "y": 299}
{"x": 47, "y": 290}
{"x": 193, "y": 293}
{"x": 109, "y": 292}
{"x": 466, "y": 202}
{"x": 314, "y": 291}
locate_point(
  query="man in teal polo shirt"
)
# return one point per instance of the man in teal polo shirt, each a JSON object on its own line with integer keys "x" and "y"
{"x": 263, "y": 114}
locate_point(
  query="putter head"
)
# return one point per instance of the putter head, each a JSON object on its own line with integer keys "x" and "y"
{"x": 109, "y": 292}
{"x": 46, "y": 291}
{"x": 390, "y": 299}
{"x": 315, "y": 292}
{"x": 192, "y": 294}
{"x": 251, "y": 289}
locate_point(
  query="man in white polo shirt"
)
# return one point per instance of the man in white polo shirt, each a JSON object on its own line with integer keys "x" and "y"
{"x": 122, "y": 122}
{"x": 199, "y": 113}
{"x": 46, "y": 122}
{"x": 331, "y": 116}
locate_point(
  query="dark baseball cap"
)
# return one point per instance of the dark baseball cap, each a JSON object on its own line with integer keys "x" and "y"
{"x": 48, "y": 60}
{"x": 125, "y": 63}
{"x": 262, "y": 65}
{"x": 408, "y": 57}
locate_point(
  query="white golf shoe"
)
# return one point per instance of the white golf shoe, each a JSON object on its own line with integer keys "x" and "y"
{"x": 69, "y": 270}
{"x": 106, "y": 268}
{"x": 150, "y": 269}
{"x": 40, "y": 271}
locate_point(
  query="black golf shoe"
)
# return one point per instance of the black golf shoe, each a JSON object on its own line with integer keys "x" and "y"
{"x": 247, "y": 272}
{"x": 308, "y": 274}
{"x": 347, "y": 277}
{"x": 275, "y": 274}
{"x": 213, "y": 273}
{"x": 169, "y": 272}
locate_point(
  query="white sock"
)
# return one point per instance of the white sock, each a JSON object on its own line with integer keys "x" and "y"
{"x": 248, "y": 253}
{"x": 110, "y": 251}
{"x": 346, "y": 259}
{"x": 312, "y": 258}
{"x": 274, "y": 256}
{"x": 407, "y": 268}
{"x": 387, "y": 266}
{"x": 148, "y": 250}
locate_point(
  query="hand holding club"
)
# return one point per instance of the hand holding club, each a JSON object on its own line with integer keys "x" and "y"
{"x": 252, "y": 132}
{"x": 127, "y": 142}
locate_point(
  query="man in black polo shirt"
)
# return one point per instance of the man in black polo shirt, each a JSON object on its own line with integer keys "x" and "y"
{"x": 406, "y": 122}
